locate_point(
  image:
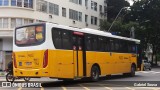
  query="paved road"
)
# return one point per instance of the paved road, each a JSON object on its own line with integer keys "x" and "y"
{"x": 116, "y": 82}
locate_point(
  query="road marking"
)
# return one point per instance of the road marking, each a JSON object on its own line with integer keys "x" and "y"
{"x": 20, "y": 88}
{"x": 114, "y": 85}
{"x": 84, "y": 87}
{"x": 64, "y": 88}
{"x": 129, "y": 88}
{"x": 42, "y": 88}
{"x": 152, "y": 72}
{"x": 151, "y": 88}
{"x": 106, "y": 87}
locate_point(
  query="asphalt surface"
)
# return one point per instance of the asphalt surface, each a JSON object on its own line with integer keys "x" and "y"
{"x": 144, "y": 80}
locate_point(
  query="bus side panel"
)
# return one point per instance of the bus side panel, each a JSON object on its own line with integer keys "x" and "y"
{"x": 62, "y": 64}
{"x": 102, "y": 59}
{"x": 90, "y": 59}
{"x": 53, "y": 63}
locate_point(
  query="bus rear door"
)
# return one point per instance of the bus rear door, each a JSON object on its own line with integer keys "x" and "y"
{"x": 79, "y": 54}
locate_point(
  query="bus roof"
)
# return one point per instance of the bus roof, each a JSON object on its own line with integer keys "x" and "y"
{"x": 87, "y": 30}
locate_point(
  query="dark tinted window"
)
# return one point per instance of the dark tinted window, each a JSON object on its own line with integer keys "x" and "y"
{"x": 112, "y": 44}
{"x": 107, "y": 44}
{"x": 95, "y": 43}
{"x": 116, "y": 41}
{"x": 124, "y": 46}
{"x": 88, "y": 42}
{"x": 101, "y": 43}
{"x": 57, "y": 39}
{"x": 66, "y": 40}
{"x": 62, "y": 38}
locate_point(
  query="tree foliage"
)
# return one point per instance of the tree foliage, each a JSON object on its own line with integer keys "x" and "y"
{"x": 114, "y": 6}
{"x": 144, "y": 15}
{"x": 147, "y": 14}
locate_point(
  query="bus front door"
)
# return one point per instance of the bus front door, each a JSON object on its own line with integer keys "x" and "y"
{"x": 79, "y": 56}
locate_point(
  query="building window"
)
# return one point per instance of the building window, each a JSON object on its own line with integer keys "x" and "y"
{"x": 100, "y": 8}
{"x": 27, "y": 3}
{"x": 93, "y": 20}
{"x": 5, "y": 22}
{"x": 31, "y": 21}
{"x": 86, "y": 3}
{"x": 76, "y": 1}
{"x": 1, "y": 23}
{"x": 80, "y": 16}
{"x": 80, "y": 2}
{"x": 63, "y": 12}
{"x": 13, "y": 22}
{"x": 16, "y": 3}
{"x": 105, "y": 11}
{"x": 1, "y": 2}
{"x": 19, "y": 21}
{"x": 86, "y": 18}
{"x": 4, "y": 2}
{"x": 56, "y": 9}
{"x": 13, "y": 2}
{"x": 93, "y": 5}
{"x": 75, "y": 15}
{"x": 42, "y": 6}
{"x": 51, "y": 7}
{"x": 30, "y": 3}
{"x": 19, "y": 3}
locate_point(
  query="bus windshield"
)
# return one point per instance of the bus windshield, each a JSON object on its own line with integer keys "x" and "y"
{"x": 30, "y": 35}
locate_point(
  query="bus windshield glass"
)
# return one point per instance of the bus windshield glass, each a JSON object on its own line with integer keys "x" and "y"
{"x": 30, "y": 35}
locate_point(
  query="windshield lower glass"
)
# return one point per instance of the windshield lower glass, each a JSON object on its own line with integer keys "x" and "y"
{"x": 31, "y": 35}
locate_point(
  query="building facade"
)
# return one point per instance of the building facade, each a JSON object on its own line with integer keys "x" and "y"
{"x": 75, "y": 13}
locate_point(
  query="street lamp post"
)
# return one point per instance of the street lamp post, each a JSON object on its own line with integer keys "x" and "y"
{"x": 116, "y": 18}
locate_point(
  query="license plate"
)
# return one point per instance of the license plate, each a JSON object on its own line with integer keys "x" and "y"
{"x": 28, "y": 63}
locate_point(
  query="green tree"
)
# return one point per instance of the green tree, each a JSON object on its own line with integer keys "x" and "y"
{"x": 113, "y": 8}
{"x": 146, "y": 13}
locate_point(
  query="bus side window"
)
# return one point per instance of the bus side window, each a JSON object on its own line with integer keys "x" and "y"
{"x": 88, "y": 43}
{"x": 107, "y": 44}
{"x": 56, "y": 37}
{"x": 95, "y": 43}
{"x": 112, "y": 44}
{"x": 101, "y": 44}
{"x": 66, "y": 40}
{"x": 117, "y": 45}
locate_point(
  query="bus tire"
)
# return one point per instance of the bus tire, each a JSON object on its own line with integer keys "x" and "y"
{"x": 95, "y": 72}
{"x": 132, "y": 73}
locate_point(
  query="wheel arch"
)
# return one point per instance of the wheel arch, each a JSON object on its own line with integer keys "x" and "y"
{"x": 133, "y": 64}
{"x": 96, "y": 64}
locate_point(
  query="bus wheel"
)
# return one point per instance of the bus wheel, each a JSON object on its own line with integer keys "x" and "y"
{"x": 95, "y": 73}
{"x": 132, "y": 73}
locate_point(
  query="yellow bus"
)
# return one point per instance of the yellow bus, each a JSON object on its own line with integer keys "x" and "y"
{"x": 63, "y": 52}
